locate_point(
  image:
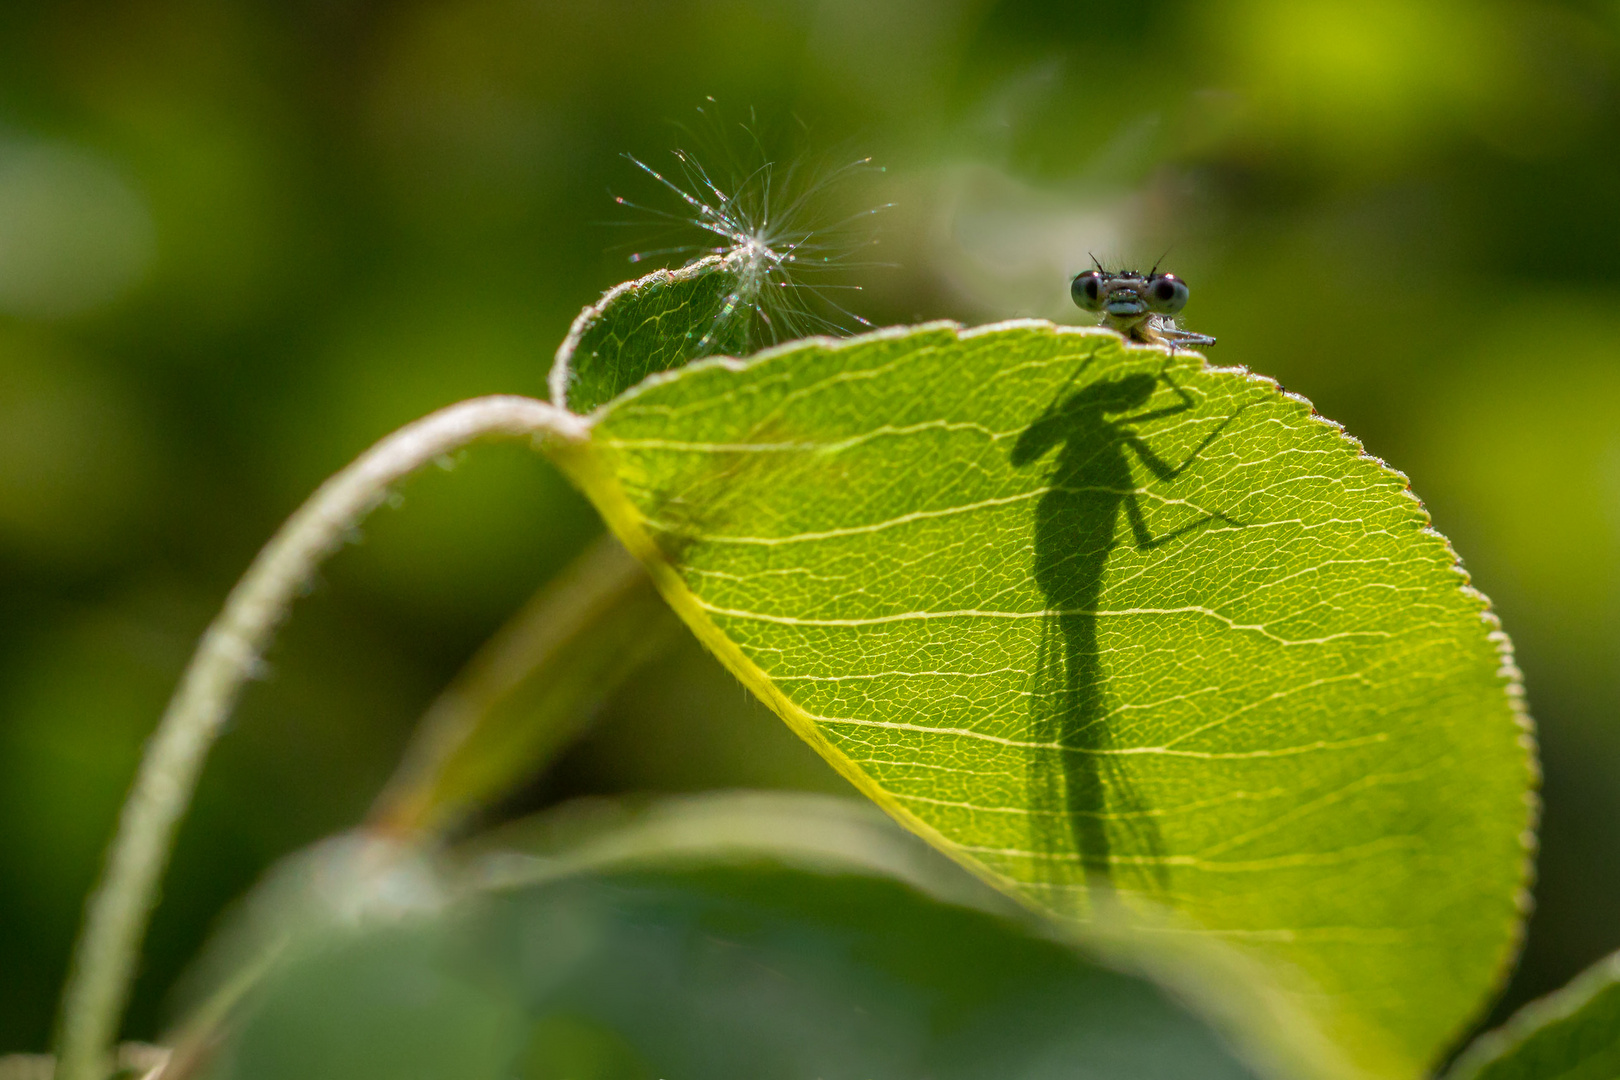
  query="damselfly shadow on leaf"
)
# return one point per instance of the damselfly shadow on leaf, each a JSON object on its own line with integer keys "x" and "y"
{"x": 1087, "y": 816}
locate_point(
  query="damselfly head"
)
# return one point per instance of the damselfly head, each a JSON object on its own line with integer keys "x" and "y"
{"x": 1140, "y": 306}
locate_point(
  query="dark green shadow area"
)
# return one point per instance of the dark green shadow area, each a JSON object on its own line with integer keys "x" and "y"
{"x": 752, "y": 972}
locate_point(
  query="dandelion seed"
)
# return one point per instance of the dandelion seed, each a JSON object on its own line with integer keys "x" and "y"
{"x": 762, "y": 219}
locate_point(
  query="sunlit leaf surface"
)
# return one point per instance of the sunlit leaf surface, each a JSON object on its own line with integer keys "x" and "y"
{"x": 1109, "y": 625}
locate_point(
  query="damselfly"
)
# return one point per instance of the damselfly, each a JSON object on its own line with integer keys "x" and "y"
{"x": 1140, "y": 306}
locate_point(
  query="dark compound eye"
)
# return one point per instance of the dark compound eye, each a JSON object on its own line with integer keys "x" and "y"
{"x": 1167, "y": 294}
{"x": 1087, "y": 290}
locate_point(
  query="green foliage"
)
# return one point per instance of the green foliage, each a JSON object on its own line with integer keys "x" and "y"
{"x": 364, "y": 215}
{"x": 1124, "y": 634}
{"x": 1149, "y": 647}
{"x": 759, "y": 936}
{"x": 657, "y": 322}
{"x": 1571, "y": 1035}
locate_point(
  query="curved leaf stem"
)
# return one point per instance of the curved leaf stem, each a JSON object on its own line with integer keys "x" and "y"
{"x": 230, "y": 652}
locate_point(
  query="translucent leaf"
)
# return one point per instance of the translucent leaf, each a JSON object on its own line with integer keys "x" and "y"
{"x": 645, "y": 326}
{"x": 1119, "y": 631}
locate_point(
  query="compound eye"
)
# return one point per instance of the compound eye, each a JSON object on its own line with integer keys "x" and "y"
{"x": 1087, "y": 290}
{"x": 1167, "y": 294}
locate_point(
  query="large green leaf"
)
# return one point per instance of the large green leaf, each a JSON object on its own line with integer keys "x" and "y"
{"x": 1573, "y": 1034}
{"x": 748, "y": 936}
{"x": 1117, "y": 630}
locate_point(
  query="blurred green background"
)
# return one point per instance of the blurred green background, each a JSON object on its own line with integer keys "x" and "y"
{"x": 240, "y": 241}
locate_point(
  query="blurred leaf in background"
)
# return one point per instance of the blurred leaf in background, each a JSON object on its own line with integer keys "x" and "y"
{"x": 240, "y": 241}
{"x": 741, "y": 934}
